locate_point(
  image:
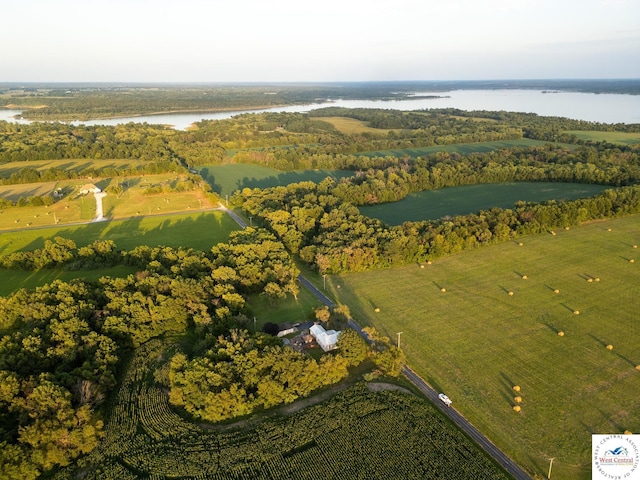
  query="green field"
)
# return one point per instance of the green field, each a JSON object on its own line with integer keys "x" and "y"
{"x": 434, "y": 204}
{"x": 475, "y": 341}
{"x": 461, "y": 148}
{"x": 357, "y": 433}
{"x": 199, "y": 230}
{"x": 226, "y": 179}
{"x": 624, "y": 138}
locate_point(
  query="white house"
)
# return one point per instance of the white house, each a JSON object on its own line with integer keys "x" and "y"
{"x": 327, "y": 339}
{"x": 88, "y": 188}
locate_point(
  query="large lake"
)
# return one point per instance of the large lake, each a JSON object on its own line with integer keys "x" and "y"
{"x": 601, "y": 107}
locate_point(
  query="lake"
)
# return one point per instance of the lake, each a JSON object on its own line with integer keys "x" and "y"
{"x": 593, "y": 107}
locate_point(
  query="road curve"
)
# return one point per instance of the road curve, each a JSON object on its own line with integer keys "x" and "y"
{"x": 493, "y": 451}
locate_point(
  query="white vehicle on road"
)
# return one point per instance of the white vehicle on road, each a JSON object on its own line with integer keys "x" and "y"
{"x": 444, "y": 399}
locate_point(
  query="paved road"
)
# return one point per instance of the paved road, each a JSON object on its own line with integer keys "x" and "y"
{"x": 429, "y": 392}
{"x": 467, "y": 427}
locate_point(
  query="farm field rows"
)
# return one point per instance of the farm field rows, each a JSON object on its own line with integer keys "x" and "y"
{"x": 475, "y": 340}
{"x": 355, "y": 434}
{"x": 7, "y": 169}
{"x": 434, "y": 204}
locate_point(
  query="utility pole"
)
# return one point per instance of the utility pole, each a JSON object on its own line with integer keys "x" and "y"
{"x": 399, "y": 333}
{"x": 550, "y": 465}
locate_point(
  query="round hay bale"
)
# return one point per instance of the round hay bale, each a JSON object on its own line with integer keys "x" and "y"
{"x": 576, "y": 312}
{"x": 517, "y": 399}
{"x": 428, "y": 262}
{"x": 609, "y": 347}
{"x": 520, "y": 244}
{"x": 552, "y": 232}
{"x": 516, "y": 388}
{"x": 510, "y": 293}
{"x": 628, "y": 432}
{"x": 631, "y": 260}
{"x": 377, "y": 310}
{"x": 635, "y": 246}
{"x": 566, "y": 228}
{"x": 590, "y": 280}
{"x": 421, "y": 266}
{"x": 443, "y": 289}
{"x": 561, "y": 333}
{"x": 608, "y": 229}
{"x": 517, "y": 408}
{"x": 556, "y": 291}
{"x": 637, "y": 367}
{"x": 597, "y": 279}
{"x": 524, "y": 277}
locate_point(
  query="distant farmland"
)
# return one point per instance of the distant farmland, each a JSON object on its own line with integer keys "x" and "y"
{"x": 572, "y": 294}
{"x": 624, "y": 138}
{"x": 226, "y": 179}
{"x": 434, "y": 204}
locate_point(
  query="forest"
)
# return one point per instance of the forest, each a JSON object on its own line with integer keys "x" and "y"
{"x": 63, "y": 345}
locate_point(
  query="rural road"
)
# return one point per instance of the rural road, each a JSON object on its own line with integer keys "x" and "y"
{"x": 511, "y": 467}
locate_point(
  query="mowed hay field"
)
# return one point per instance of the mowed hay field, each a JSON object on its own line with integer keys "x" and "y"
{"x": 625, "y": 138}
{"x": 134, "y": 201}
{"x": 475, "y": 341}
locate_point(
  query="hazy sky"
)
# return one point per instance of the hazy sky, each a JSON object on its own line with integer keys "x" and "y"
{"x": 328, "y": 40}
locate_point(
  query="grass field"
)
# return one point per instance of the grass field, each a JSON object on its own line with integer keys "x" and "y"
{"x": 226, "y": 179}
{"x": 199, "y": 230}
{"x": 624, "y": 138}
{"x": 461, "y": 148}
{"x": 434, "y": 204}
{"x": 133, "y": 202}
{"x": 475, "y": 341}
{"x": 351, "y": 125}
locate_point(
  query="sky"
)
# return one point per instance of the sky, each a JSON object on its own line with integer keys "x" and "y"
{"x": 317, "y": 41}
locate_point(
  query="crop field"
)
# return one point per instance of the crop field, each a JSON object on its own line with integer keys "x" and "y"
{"x": 134, "y": 201}
{"x": 625, "y": 138}
{"x": 461, "y": 148}
{"x": 555, "y": 314}
{"x": 7, "y": 169}
{"x": 434, "y": 204}
{"x": 357, "y": 433}
{"x": 226, "y": 179}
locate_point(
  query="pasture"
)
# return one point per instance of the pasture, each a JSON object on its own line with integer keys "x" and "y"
{"x": 624, "y": 138}
{"x": 226, "y": 179}
{"x": 351, "y": 125}
{"x": 434, "y": 204}
{"x": 475, "y": 340}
